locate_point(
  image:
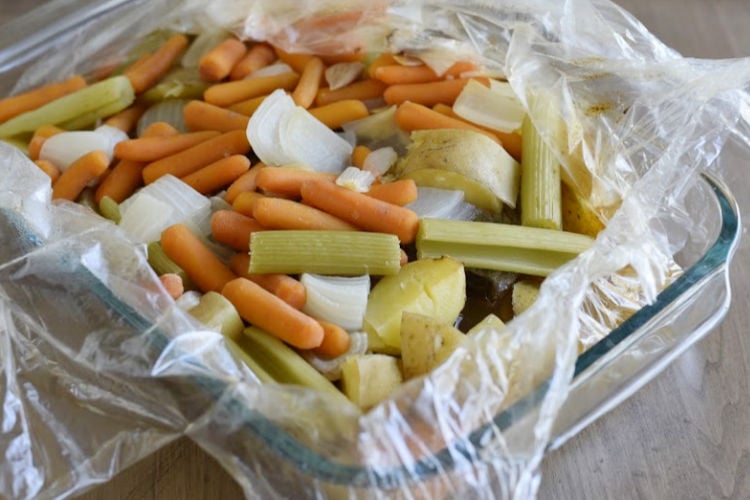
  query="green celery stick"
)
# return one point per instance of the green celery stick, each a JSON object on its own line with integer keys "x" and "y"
{"x": 162, "y": 264}
{"x": 502, "y": 247}
{"x": 345, "y": 253}
{"x": 110, "y": 209}
{"x": 95, "y": 101}
{"x": 540, "y": 181}
{"x": 219, "y": 314}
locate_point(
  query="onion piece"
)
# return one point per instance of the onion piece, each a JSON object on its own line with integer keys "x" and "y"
{"x": 380, "y": 161}
{"x": 303, "y": 138}
{"x": 66, "y": 147}
{"x": 114, "y": 136}
{"x": 437, "y": 203}
{"x": 496, "y": 107}
{"x": 343, "y": 73}
{"x": 271, "y": 70}
{"x": 338, "y": 300}
{"x": 146, "y": 217}
{"x": 263, "y": 128}
{"x": 169, "y": 111}
{"x": 355, "y": 179}
{"x": 379, "y": 130}
{"x": 330, "y": 368}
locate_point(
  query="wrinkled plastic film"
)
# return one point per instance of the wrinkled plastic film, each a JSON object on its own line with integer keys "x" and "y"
{"x": 101, "y": 369}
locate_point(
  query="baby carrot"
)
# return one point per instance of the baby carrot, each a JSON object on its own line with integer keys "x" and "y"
{"x": 200, "y": 115}
{"x": 48, "y": 168}
{"x": 127, "y": 175}
{"x": 336, "y": 340}
{"x": 226, "y": 94}
{"x": 172, "y": 284}
{"x": 268, "y": 312}
{"x": 309, "y": 83}
{"x": 233, "y": 229}
{"x": 218, "y": 174}
{"x": 189, "y": 160}
{"x": 444, "y": 91}
{"x": 283, "y": 286}
{"x": 218, "y": 62}
{"x": 296, "y": 61}
{"x": 362, "y": 90}
{"x": 78, "y": 175}
{"x": 198, "y": 262}
{"x": 278, "y": 213}
{"x": 40, "y": 135}
{"x": 244, "y": 202}
{"x": 332, "y": 59}
{"x": 510, "y": 141}
{"x": 395, "y": 74}
{"x": 126, "y": 120}
{"x": 27, "y": 101}
{"x": 259, "y": 56}
{"x": 287, "y": 181}
{"x": 400, "y": 192}
{"x": 249, "y": 106}
{"x": 337, "y": 113}
{"x": 384, "y": 59}
{"x": 412, "y": 116}
{"x": 361, "y": 210}
{"x": 245, "y": 182}
{"x": 359, "y": 153}
{"x": 146, "y": 72}
{"x": 152, "y": 148}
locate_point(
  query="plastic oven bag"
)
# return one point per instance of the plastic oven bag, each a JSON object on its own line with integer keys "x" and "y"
{"x": 100, "y": 368}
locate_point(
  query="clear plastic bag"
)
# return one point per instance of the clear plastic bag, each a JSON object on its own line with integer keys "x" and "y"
{"x": 100, "y": 368}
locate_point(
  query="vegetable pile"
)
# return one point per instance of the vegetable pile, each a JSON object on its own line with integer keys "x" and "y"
{"x": 345, "y": 221}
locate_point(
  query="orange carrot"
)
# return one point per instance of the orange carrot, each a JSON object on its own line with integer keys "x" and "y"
{"x": 296, "y": 61}
{"x": 278, "y": 213}
{"x": 147, "y": 71}
{"x": 336, "y": 340}
{"x": 233, "y": 229}
{"x": 188, "y": 161}
{"x": 268, "y": 312}
{"x": 395, "y": 74}
{"x": 78, "y": 175}
{"x": 127, "y": 175}
{"x": 309, "y": 83}
{"x": 249, "y": 106}
{"x": 27, "y": 101}
{"x": 384, "y": 59}
{"x": 362, "y": 90}
{"x": 287, "y": 181}
{"x": 400, "y": 192}
{"x": 245, "y": 182}
{"x": 244, "y": 202}
{"x": 218, "y": 174}
{"x": 200, "y": 115}
{"x": 152, "y": 148}
{"x": 40, "y": 135}
{"x": 198, "y": 262}
{"x": 359, "y": 154}
{"x": 361, "y": 210}
{"x": 510, "y": 141}
{"x": 226, "y": 94}
{"x": 218, "y": 62}
{"x": 172, "y": 283}
{"x": 259, "y": 56}
{"x": 48, "y": 168}
{"x": 331, "y": 59}
{"x": 412, "y": 116}
{"x": 283, "y": 286}
{"x": 127, "y": 119}
{"x": 444, "y": 91}
{"x": 337, "y": 113}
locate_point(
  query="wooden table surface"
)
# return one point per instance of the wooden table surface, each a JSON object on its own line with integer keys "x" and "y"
{"x": 684, "y": 435}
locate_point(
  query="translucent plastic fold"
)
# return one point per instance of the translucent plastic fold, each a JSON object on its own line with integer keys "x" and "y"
{"x": 100, "y": 368}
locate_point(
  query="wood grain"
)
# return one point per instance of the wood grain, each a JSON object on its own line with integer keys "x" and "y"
{"x": 685, "y": 435}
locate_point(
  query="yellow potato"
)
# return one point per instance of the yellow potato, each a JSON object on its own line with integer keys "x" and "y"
{"x": 425, "y": 343}
{"x": 367, "y": 379}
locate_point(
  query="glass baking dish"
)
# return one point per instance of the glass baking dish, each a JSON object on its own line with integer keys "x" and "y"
{"x": 605, "y": 375}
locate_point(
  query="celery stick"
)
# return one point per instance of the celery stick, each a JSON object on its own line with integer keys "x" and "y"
{"x": 110, "y": 209}
{"x": 246, "y": 358}
{"x": 540, "y": 181}
{"x": 162, "y": 264}
{"x": 98, "y": 100}
{"x": 346, "y": 253}
{"x": 180, "y": 83}
{"x": 217, "y": 313}
{"x": 282, "y": 363}
{"x": 502, "y": 247}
